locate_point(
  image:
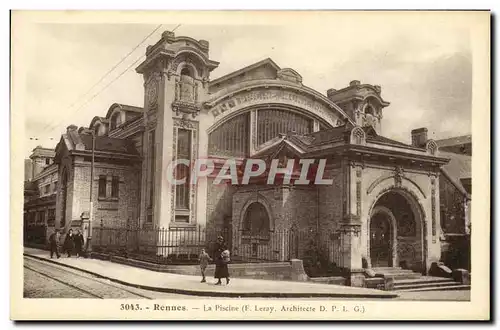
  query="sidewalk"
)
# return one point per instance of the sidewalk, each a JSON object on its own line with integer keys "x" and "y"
{"x": 190, "y": 285}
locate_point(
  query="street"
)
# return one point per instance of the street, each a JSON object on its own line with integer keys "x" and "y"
{"x": 47, "y": 280}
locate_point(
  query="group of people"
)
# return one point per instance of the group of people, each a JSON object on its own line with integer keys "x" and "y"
{"x": 222, "y": 259}
{"x": 73, "y": 243}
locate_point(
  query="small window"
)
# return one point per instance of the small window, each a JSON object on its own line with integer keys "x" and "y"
{"x": 186, "y": 72}
{"x": 102, "y": 186}
{"x": 369, "y": 110}
{"x": 47, "y": 189}
{"x": 55, "y": 186}
{"x": 47, "y": 161}
{"x": 115, "y": 187}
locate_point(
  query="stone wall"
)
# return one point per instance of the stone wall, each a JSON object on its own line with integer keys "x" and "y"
{"x": 113, "y": 212}
{"x": 452, "y": 207}
{"x": 219, "y": 204}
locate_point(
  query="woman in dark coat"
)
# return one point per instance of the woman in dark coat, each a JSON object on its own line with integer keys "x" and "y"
{"x": 69, "y": 243}
{"x": 221, "y": 270}
{"x": 78, "y": 241}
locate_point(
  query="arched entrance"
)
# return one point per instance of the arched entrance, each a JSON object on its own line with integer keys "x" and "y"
{"x": 397, "y": 229}
{"x": 382, "y": 238}
{"x": 256, "y": 221}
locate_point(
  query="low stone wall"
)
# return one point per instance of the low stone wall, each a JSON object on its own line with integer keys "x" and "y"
{"x": 269, "y": 271}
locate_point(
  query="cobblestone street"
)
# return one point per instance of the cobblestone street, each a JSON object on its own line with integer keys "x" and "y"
{"x": 44, "y": 280}
{"x": 47, "y": 280}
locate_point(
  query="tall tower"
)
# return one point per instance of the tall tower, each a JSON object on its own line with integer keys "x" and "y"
{"x": 176, "y": 73}
{"x": 362, "y": 102}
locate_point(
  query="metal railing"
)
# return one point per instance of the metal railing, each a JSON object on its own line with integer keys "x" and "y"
{"x": 183, "y": 245}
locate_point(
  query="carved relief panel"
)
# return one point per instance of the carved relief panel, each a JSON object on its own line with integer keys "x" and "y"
{"x": 152, "y": 90}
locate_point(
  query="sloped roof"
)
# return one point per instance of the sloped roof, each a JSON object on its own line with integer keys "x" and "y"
{"x": 123, "y": 107}
{"x": 457, "y": 140}
{"x": 337, "y": 133}
{"x": 104, "y": 143}
{"x": 459, "y": 166}
{"x": 264, "y": 62}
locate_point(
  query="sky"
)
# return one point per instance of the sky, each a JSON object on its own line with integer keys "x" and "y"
{"x": 424, "y": 66}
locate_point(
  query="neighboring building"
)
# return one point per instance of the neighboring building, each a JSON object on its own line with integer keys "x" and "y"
{"x": 40, "y": 194}
{"x": 383, "y": 205}
{"x": 457, "y": 145}
{"x": 28, "y": 170}
{"x": 455, "y": 186}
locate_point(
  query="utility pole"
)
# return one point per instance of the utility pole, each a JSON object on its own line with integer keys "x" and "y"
{"x": 91, "y": 197}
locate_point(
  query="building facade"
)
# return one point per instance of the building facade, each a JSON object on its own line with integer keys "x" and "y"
{"x": 40, "y": 188}
{"x": 383, "y": 200}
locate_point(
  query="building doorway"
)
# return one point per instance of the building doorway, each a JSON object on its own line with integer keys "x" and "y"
{"x": 381, "y": 241}
{"x": 397, "y": 232}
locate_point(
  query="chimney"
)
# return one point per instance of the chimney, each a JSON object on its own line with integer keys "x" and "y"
{"x": 354, "y": 83}
{"x": 419, "y": 137}
{"x": 71, "y": 128}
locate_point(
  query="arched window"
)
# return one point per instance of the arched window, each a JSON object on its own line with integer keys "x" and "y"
{"x": 186, "y": 91}
{"x": 116, "y": 120}
{"x": 186, "y": 73}
{"x": 231, "y": 138}
{"x": 272, "y": 122}
{"x": 369, "y": 110}
{"x": 256, "y": 221}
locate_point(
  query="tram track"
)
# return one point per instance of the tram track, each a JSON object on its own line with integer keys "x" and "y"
{"x": 86, "y": 284}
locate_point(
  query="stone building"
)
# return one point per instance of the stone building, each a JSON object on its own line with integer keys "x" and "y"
{"x": 383, "y": 202}
{"x": 40, "y": 187}
{"x": 455, "y": 186}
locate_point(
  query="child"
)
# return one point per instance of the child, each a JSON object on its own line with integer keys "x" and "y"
{"x": 204, "y": 258}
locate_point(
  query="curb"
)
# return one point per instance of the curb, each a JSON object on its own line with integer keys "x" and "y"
{"x": 218, "y": 293}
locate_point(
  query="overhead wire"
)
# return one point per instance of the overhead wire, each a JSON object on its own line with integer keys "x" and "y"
{"x": 106, "y": 74}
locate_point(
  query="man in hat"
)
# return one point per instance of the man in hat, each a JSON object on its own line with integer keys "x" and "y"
{"x": 54, "y": 242}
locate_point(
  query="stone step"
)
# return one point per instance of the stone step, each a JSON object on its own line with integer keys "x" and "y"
{"x": 386, "y": 268}
{"x": 389, "y": 271}
{"x": 403, "y": 276}
{"x": 419, "y": 285}
{"x": 337, "y": 280}
{"x": 452, "y": 287}
{"x": 422, "y": 279}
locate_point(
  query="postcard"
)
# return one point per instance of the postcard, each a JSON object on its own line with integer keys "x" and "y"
{"x": 250, "y": 165}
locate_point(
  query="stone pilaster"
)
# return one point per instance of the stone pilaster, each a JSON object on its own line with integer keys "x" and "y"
{"x": 350, "y": 231}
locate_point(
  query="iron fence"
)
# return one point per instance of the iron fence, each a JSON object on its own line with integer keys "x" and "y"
{"x": 318, "y": 249}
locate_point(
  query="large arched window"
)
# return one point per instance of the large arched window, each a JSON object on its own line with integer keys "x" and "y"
{"x": 232, "y": 138}
{"x": 256, "y": 221}
{"x": 273, "y": 122}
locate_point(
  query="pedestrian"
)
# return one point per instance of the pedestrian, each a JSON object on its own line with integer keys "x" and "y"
{"x": 79, "y": 241}
{"x": 54, "y": 242}
{"x": 221, "y": 260}
{"x": 69, "y": 242}
{"x": 204, "y": 259}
